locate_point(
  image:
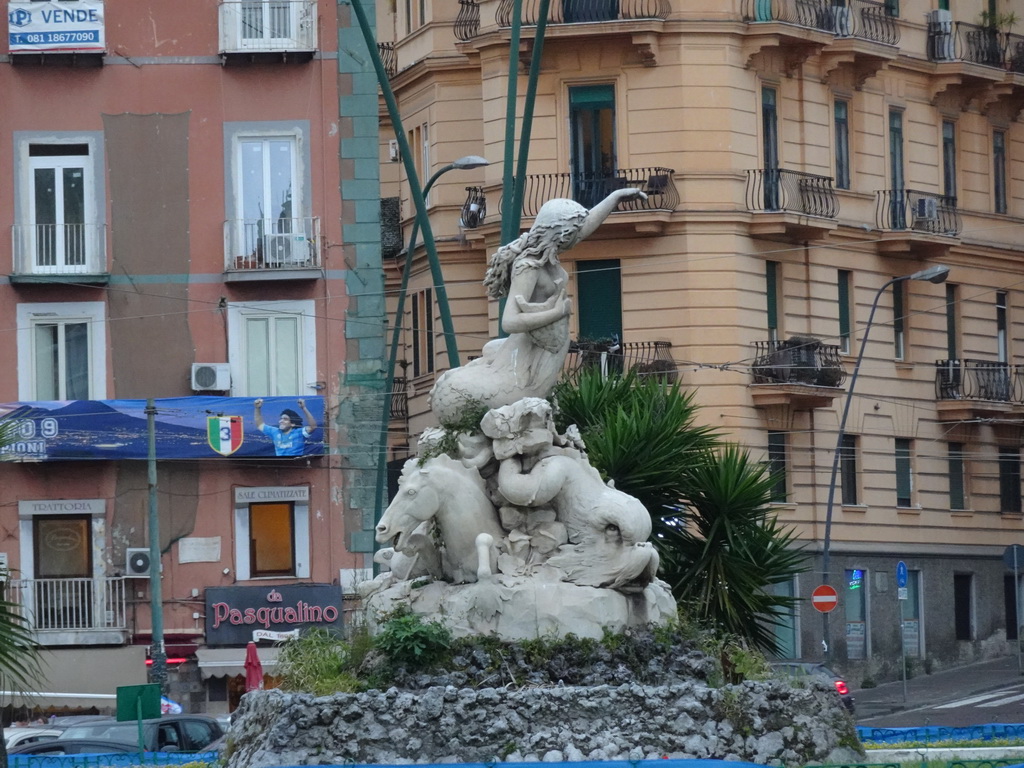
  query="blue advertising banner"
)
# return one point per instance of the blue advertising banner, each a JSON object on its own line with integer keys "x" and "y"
{"x": 185, "y": 428}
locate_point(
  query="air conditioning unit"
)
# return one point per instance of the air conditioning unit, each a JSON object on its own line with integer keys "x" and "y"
{"x": 940, "y": 36}
{"x": 137, "y": 563}
{"x": 285, "y": 248}
{"x": 842, "y": 20}
{"x": 211, "y": 377}
{"x": 926, "y": 209}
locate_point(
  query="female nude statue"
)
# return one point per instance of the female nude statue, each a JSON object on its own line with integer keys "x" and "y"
{"x": 536, "y": 316}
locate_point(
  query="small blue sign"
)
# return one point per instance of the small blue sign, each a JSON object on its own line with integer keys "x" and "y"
{"x": 901, "y": 574}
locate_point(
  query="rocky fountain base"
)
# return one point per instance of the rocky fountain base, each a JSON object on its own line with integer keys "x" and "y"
{"x": 585, "y": 703}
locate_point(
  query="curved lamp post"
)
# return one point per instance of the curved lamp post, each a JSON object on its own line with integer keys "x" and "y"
{"x": 462, "y": 164}
{"x": 936, "y": 274}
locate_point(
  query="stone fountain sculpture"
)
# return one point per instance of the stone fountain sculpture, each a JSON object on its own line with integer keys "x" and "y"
{"x": 506, "y": 528}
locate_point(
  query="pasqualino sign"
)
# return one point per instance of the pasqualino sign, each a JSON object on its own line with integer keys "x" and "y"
{"x": 56, "y": 26}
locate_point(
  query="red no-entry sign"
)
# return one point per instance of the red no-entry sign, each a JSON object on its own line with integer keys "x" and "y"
{"x": 824, "y": 598}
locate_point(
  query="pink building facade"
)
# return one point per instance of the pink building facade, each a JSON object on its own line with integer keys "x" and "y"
{"x": 173, "y": 194}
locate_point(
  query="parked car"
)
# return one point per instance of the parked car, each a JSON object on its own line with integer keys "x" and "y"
{"x": 18, "y": 735}
{"x": 73, "y": 747}
{"x": 170, "y": 733}
{"x": 798, "y": 669}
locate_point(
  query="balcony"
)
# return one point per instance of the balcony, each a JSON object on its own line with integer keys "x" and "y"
{"x": 800, "y": 372}
{"x": 584, "y": 11}
{"x": 467, "y": 22}
{"x": 797, "y": 29}
{"x": 916, "y": 223}
{"x": 791, "y": 203}
{"x": 388, "y": 58}
{"x": 272, "y": 249}
{"x": 969, "y": 389}
{"x": 74, "y": 611}
{"x": 610, "y": 356}
{"x": 971, "y": 61}
{"x": 267, "y": 30}
{"x": 399, "y": 408}
{"x": 589, "y": 189}
{"x": 642, "y": 19}
{"x": 59, "y": 253}
{"x": 866, "y": 38}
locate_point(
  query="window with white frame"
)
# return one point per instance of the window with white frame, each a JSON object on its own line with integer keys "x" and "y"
{"x": 272, "y": 532}
{"x": 62, "y": 351}
{"x": 272, "y": 348}
{"x": 58, "y": 214}
{"x": 268, "y": 194}
{"x": 268, "y": 24}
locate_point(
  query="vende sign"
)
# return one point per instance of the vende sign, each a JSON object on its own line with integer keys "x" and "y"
{"x": 56, "y": 26}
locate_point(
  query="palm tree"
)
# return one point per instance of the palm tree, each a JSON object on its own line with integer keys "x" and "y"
{"x": 722, "y": 548}
{"x": 19, "y": 652}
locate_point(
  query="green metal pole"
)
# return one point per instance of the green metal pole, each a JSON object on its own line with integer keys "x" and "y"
{"x": 414, "y": 184}
{"x": 528, "y": 104}
{"x": 158, "y": 672}
{"x": 382, "y": 452}
{"x": 510, "y": 217}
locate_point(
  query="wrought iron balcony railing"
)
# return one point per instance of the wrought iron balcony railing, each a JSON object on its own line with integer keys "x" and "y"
{"x": 582, "y": 11}
{"x": 71, "y": 605}
{"x": 280, "y": 26}
{"x": 267, "y": 244}
{"x": 813, "y": 14}
{"x": 775, "y": 189}
{"x": 59, "y": 249}
{"x": 399, "y": 398}
{"x": 1015, "y": 53}
{"x": 388, "y": 58}
{"x": 967, "y": 379}
{"x": 912, "y": 209}
{"x": 646, "y": 358}
{"x": 873, "y": 21}
{"x": 474, "y": 210}
{"x": 961, "y": 41}
{"x": 588, "y": 189}
{"x": 797, "y": 360}
{"x": 467, "y": 22}
{"x": 866, "y": 19}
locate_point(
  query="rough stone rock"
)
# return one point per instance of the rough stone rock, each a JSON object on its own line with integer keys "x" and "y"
{"x": 764, "y": 722}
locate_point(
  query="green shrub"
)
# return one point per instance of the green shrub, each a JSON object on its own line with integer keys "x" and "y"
{"x": 406, "y": 639}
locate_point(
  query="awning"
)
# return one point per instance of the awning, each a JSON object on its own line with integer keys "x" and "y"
{"x": 84, "y": 677}
{"x": 228, "y": 662}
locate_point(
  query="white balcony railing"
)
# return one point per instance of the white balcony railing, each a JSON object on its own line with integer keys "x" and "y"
{"x": 268, "y": 244}
{"x": 59, "y": 249}
{"x": 71, "y": 605}
{"x": 267, "y": 26}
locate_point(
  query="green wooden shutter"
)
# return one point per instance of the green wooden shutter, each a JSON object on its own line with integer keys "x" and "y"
{"x": 599, "y": 299}
{"x": 957, "y": 498}
{"x": 903, "y": 484}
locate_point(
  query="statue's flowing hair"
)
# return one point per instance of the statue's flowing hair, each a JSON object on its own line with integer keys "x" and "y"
{"x": 553, "y": 231}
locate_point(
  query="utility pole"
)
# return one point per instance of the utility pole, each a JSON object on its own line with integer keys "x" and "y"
{"x": 158, "y": 671}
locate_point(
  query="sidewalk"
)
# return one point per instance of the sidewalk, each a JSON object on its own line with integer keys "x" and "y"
{"x": 926, "y": 690}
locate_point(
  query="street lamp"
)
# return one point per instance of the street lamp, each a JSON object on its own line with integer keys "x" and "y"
{"x": 462, "y": 164}
{"x": 936, "y": 274}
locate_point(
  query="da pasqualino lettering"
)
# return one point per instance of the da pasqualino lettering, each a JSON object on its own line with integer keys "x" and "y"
{"x": 301, "y": 613}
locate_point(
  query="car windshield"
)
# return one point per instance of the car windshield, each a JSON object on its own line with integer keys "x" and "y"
{"x": 127, "y": 732}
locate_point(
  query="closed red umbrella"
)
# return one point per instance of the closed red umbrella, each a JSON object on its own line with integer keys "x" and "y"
{"x": 253, "y": 669}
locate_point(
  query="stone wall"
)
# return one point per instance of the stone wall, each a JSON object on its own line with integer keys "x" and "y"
{"x": 764, "y": 722}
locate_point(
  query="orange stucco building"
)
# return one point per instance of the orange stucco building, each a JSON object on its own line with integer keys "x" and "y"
{"x": 801, "y": 159}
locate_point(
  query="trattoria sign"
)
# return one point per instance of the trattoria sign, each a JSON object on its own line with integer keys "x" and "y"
{"x": 234, "y": 614}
